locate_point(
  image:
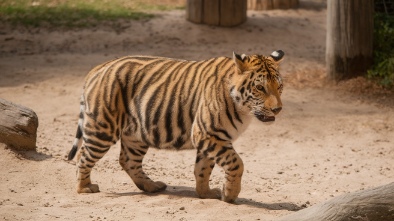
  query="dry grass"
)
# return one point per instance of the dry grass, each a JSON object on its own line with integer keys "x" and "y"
{"x": 76, "y": 13}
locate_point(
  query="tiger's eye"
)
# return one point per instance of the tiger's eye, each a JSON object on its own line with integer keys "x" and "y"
{"x": 260, "y": 87}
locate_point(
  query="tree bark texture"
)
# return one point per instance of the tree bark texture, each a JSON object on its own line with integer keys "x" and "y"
{"x": 216, "y": 12}
{"x": 376, "y": 204}
{"x": 18, "y": 126}
{"x": 259, "y": 5}
{"x": 349, "y": 38}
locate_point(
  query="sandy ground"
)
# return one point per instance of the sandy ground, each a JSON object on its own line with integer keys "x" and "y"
{"x": 329, "y": 139}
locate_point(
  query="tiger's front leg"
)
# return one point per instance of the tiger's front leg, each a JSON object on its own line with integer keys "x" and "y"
{"x": 202, "y": 172}
{"x": 223, "y": 154}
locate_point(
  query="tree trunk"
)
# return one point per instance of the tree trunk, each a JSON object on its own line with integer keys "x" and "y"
{"x": 18, "y": 126}
{"x": 367, "y": 205}
{"x": 259, "y": 5}
{"x": 216, "y": 12}
{"x": 349, "y": 38}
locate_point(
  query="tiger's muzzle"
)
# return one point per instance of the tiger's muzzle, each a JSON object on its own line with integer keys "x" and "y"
{"x": 265, "y": 118}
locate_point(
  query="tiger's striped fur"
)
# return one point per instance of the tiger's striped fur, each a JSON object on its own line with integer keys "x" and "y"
{"x": 165, "y": 103}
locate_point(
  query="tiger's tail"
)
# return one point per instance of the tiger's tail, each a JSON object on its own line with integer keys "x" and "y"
{"x": 79, "y": 134}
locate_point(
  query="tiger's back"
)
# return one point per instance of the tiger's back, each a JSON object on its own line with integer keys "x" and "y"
{"x": 166, "y": 103}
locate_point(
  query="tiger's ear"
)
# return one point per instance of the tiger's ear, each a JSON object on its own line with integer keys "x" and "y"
{"x": 278, "y": 55}
{"x": 239, "y": 61}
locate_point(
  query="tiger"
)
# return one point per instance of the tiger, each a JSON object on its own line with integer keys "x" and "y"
{"x": 148, "y": 101}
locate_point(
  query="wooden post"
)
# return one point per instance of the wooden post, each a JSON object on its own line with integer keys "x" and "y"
{"x": 18, "y": 126}
{"x": 349, "y": 38}
{"x": 259, "y": 5}
{"x": 216, "y": 12}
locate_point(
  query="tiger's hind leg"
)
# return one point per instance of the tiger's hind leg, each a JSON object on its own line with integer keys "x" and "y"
{"x": 91, "y": 151}
{"x": 131, "y": 156}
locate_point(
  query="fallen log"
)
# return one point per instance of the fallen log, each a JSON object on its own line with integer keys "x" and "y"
{"x": 376, "y": 204}
{"x": 18, "y": 126}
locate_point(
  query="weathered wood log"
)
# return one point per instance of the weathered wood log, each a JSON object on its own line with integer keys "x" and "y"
{"x": 376, "y": 204}
{"x": 18, "y": 126}
{"x": 216, "y": 12}
{"x": 260, "y": 5}
{"x": 349, "y": 38}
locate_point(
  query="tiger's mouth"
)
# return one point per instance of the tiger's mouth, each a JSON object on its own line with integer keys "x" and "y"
{"x": 265, "y": 118}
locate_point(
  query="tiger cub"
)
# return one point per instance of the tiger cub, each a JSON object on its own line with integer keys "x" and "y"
{"x": 146, "y": 101}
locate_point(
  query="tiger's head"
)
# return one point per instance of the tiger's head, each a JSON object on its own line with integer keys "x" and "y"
{"x": 257, "y": 84}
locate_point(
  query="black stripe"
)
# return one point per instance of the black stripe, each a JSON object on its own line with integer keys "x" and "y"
{"x": 155, "y": 97}
{"x": 200, "y": 145}
{"x": 168, "y": 119}
{"x": 96, "y": 105}
{"x": 222, "y": 151}
{"x": 141, "y": 152}
{"x": 91, "y": 116}
{"x": 157, "y": 116}
{"x": 165, "y": 65}
{"x": 235, "y": 110}
{"x": 216, "y": 129}
{"x": 147, "y": 84}
{"x": 228, "y": 114}
{"x": 144, "y": 71}
{"x": 171, "y": 103}
{"x": 216, "y": 137}
{"x": 179, "y": 142}
{"x": 89, "y": 166}
{"x": 103, "y": 124}
{"x": 92, "y": 150}
{"x": 124, "y": 121}
{"x": 209, "y": 149}
{"x": 124, "y": 85}
{"x": 200, "y": 124}
{"x": 131, "y": 150}
{"x": 251, "y": 76}
{"x": 105, "y": 137}
{"x": 150, "y": 107}
{"x": 105, "y": 89}
{"x": 180, "y": 118}
{"x": 198, "y": 158}
{"x": 95, "y": 143}
{"x": 108, "y": 120}
{"x": 81, "y": 115}
{"x": 79, "y": 132}
{"x": 196, "y": 92}
{"x": 89, "y": 160}
{"x": 92, "y": 80}
{"x": 234, "y": 168}
{"x": 156, "y": 136}
{"x": 72, "y": 152}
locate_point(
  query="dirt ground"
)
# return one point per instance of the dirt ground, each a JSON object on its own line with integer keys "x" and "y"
{"x": 328, "y": 140}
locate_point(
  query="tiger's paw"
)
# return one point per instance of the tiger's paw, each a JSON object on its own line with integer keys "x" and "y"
{"x": 215, "y": 193}
{"x": 152, "y": 187}
{"x": 228, "y": 199}
{"x": 228, "y": 196}
{"x": 90, "y": 188}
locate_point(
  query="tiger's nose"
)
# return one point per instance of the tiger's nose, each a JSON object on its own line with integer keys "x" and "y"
{"x": 276, "y": 110}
